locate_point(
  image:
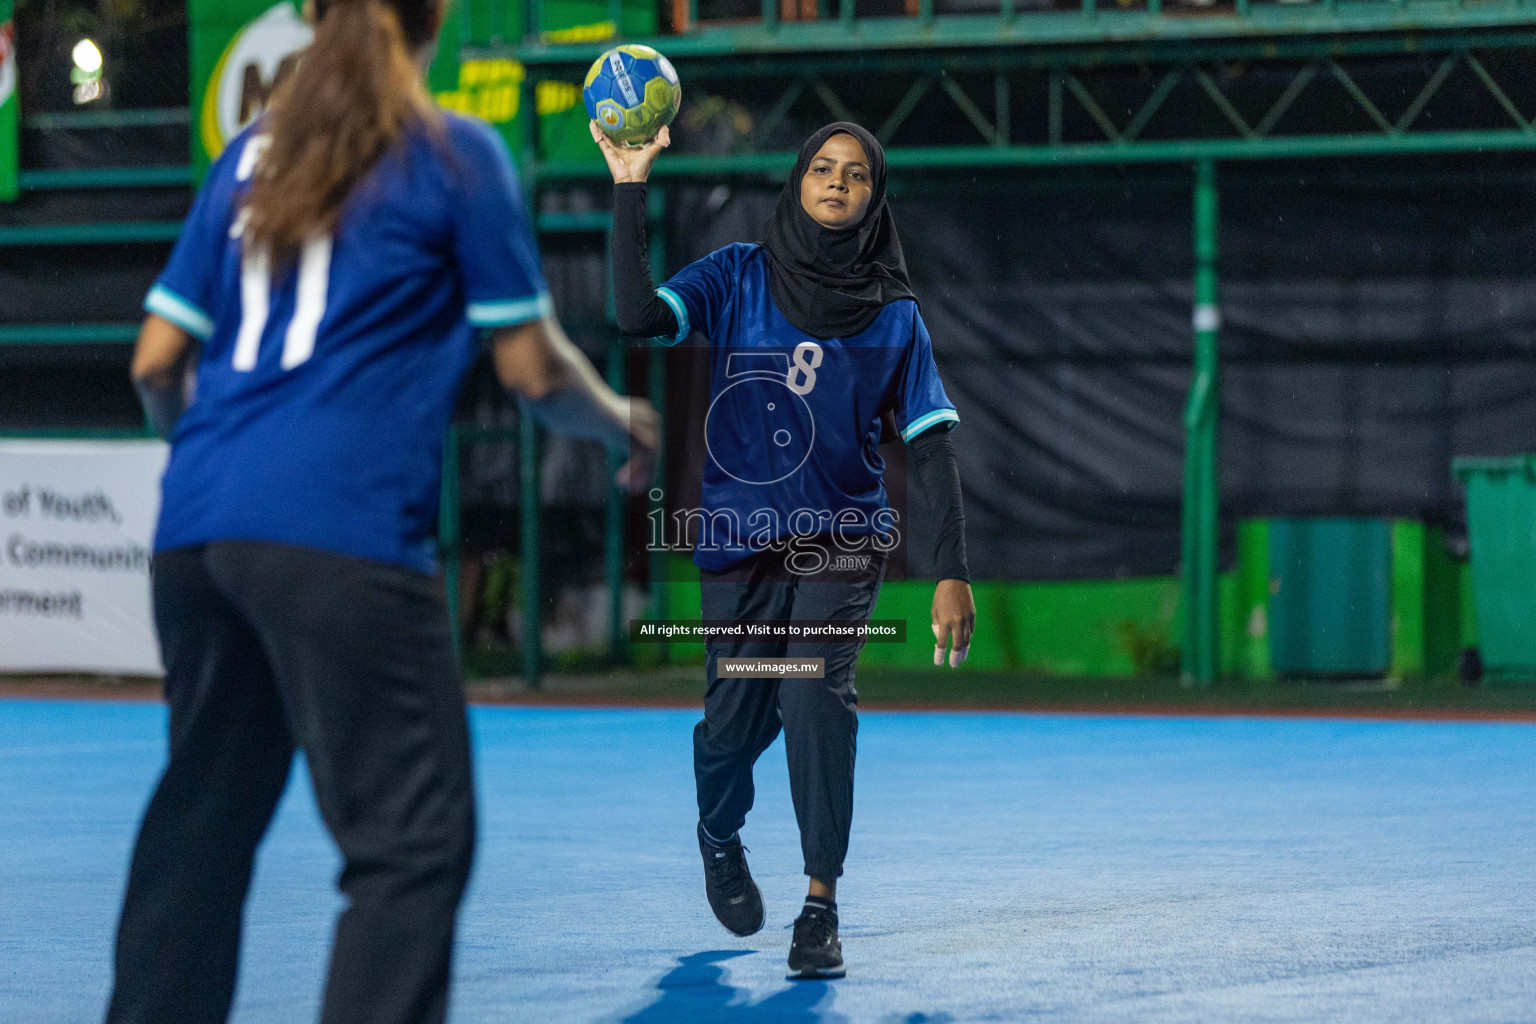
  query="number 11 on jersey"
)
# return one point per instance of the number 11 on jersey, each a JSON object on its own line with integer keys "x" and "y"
{"x": 256, "y": 301}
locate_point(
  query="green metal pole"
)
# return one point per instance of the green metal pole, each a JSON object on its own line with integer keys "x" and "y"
{"x": 528, "y": 459}
{"x": 1189, "y": 560}
{"x": 613, "y": 533}
{"x": 530, "y": 489}
{"x": 466, "y": 24}
{"x": 1208, "y": 325}
{"x": 498, "y": 19}
{"x": 1004, "y": 111}
{"x": 613, "y": 529}
{"x": 450, "y": 535}
{"x": 1054, "y": 108}
{"x": 1201, "y": 484}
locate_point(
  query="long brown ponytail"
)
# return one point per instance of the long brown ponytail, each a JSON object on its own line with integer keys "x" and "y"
{"x": 356, "y": 91}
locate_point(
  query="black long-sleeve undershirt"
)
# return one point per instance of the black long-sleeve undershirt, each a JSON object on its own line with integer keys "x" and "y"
{"x": 931, "y": 460}
{"x": 641, "y": 313}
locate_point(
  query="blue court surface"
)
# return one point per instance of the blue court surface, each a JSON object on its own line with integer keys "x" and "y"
{"x": 1004, "y": 868}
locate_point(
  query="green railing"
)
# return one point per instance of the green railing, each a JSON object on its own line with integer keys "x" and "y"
{"x": 491, "y": 24}
{"x": 80, "y": 120}
{"x": 76, "y": 434}
{"x": 68, "y": 334}
{"x": 65, "y": 179}
{"x": 97, "y": 233}
{"x": 92, "y": 233}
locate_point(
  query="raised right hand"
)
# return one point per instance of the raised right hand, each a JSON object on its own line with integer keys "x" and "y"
{"x": 630, "y": 163}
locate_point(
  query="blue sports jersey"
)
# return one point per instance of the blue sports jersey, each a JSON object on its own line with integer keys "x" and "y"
{"x": 792, "y": 434}
{"x": 324, "y": 390}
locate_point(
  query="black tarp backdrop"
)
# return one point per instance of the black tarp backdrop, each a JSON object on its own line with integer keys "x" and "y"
{"x": 1372, "y": 330}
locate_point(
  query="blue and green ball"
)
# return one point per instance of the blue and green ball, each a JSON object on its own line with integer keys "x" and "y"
{"x": 632, "y": 91}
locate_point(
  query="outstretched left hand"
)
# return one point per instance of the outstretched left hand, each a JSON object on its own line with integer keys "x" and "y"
{"x": 954, "y": 619}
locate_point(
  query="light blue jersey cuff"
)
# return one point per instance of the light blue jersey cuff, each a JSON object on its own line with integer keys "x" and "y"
{"x": 927, "y": 420}
{"x": 509, "y": 312}
{"x": 680, "y": 311}
{"x": 161, "y": 301}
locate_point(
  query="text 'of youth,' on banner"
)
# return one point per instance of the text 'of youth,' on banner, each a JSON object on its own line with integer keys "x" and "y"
{"x": 77, "y": 521}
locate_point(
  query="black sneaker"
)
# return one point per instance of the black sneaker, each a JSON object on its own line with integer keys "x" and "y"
{"x": 814, "y": 952}
{"x": 733, "y": 896}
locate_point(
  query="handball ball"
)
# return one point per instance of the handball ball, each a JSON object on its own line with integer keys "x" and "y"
{"x": 631, "y": 92}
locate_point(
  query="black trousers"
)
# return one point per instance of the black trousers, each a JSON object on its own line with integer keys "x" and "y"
{"x": 269, "y": 648}
{"x": 742, "y": 717}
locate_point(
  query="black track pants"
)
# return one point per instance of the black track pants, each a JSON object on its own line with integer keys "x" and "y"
{"x": 268, "y": 648}
{"x": 742, "y": 717}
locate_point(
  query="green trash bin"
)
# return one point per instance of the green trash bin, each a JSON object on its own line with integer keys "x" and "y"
{"x": 1330, "y": 604}
{"x": 1501, "y": 526}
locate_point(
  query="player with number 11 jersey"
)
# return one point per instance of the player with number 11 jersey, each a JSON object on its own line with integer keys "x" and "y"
{"x": 347, "y": 260}
{"x": 321, "y": 408}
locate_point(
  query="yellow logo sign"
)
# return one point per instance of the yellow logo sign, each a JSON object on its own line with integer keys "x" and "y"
{"x": 492, "y": 91}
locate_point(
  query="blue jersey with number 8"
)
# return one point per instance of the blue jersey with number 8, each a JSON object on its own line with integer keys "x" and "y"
{"x": 325, "y": 385}
{"x": 792, "y": 433}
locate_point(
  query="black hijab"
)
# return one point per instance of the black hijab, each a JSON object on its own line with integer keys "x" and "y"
{"x": 833, "y": 282}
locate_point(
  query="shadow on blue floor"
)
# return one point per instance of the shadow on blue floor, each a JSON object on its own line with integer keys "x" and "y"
{"x": 695, "y": 990}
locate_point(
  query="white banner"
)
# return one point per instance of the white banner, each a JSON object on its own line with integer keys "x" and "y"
{"x": 77, "y": 519}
